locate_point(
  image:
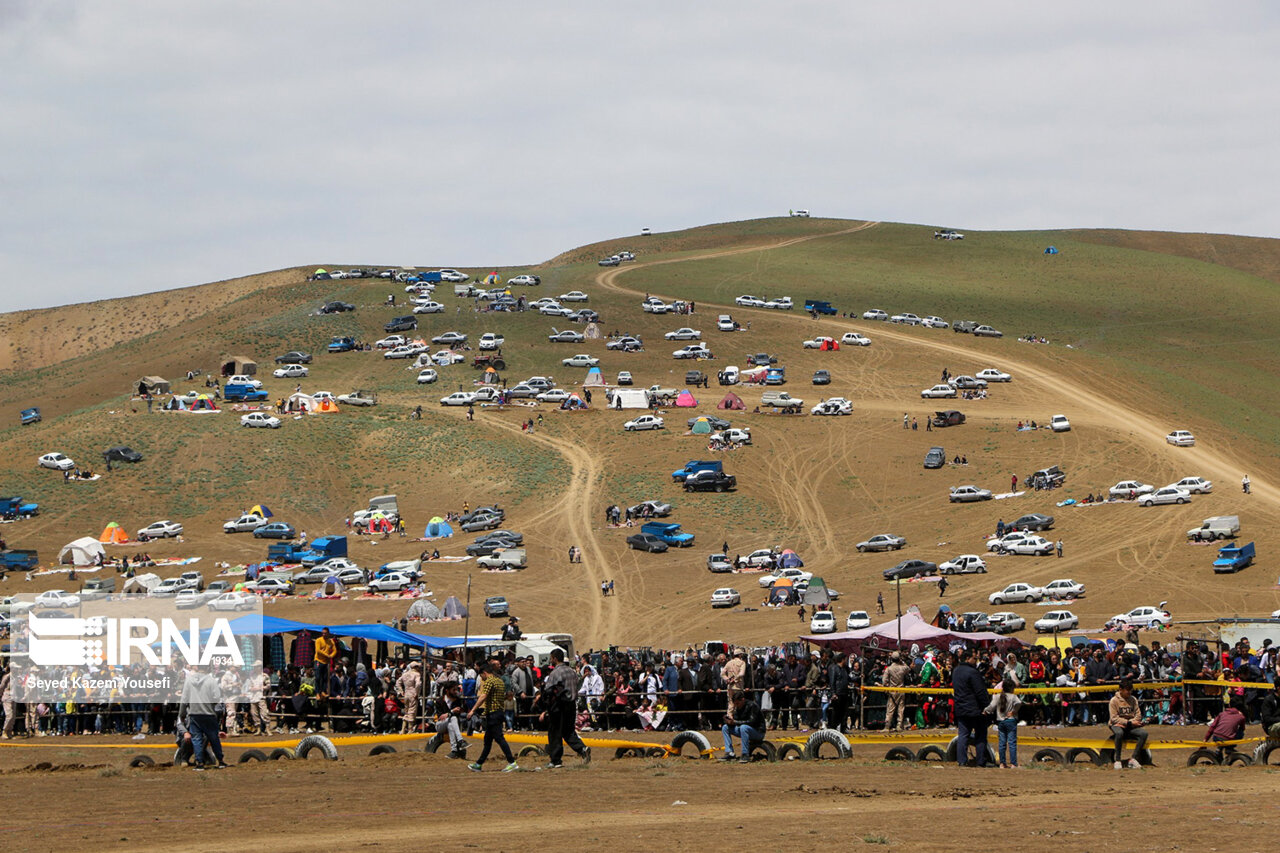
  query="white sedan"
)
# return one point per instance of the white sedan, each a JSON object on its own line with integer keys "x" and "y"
{"x": 458, "y": 398}
{"x": 1005, "y": 622}
{"x": 1036, "y": 546}
{"x": 938, "y": 391}
{"x": 1142, "y": 617}
{"x": 57, "y": 598}
{"x": 1195, "y": 485}
{"x": 260, "y": 419}
{"x": 554, "y": 395}
{"x": 644, "y": 422}
{"x": 992, "y": 375}
{"x": 270, "y": 586}
{"x": 882, "y": 542}
{"x": 725, "y": 597}
{"x": 692, "y": 351}
{"x": 1167, "y": 495}
{"x": 817, "y": 342}
{"x": 1064, "y": 588}
{"x": 427, "y": 376}
{"x": 906, "y": 319}
{"x": 965, "y": 564}
{"x": 491, "y": 341}
{"x": 1056, "y": 620}
{"x": 390, "y": 342}
{"x": 160, "y": 530}
{"x": 875, "y": 314}
{"x": 857, "y": 620}
{"x": 56, "y": 461}
{"x": 935, "y": 323}
{"x": 793, "y": 575}
{"x": 391, "y": 582}
{"x": 1017, "y": 592}
{"x": 428, "y": 307}
{"x": 822, "y": 622}
{"x": 685, "y": 334}
{"x": 580, "y": 360}
{"x": 833, "y": 406}
{"x": 555, "y": 311}
{"x": 967, "y": 494}
{"x": 1180, "y": 438}
{"x": 232, "y": 601}
{"x": 574, "y": 296}
{"x": 523, "y": 280}
{"x": 855, "y": 339}
{"x": 1125, "y": 488}
{"x": 734, "y": 435}
{"x": 1059, "y": 423}
{"x": 404, "y": 351}
{"x": 290, "y": 371}
{"x": 446, "y": 357}
{"x": 749, "y": 301}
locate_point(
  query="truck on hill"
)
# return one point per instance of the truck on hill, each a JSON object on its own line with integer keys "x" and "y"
{"x": 16, "y": 507}
{"x": 819, "y": 306}
{"x": 342, "y": 343}
{"x": 693, "y": 466}
{"x": 237, "y": 393}
{"x": 1216, "y": 527}
{"x": 661, "y": 395}
{"x": 669, "y": 533}
{"x": 286, "y": 552}
{"x": 18, "y": 560}
{"x": 781, "y": 400}
{"x": 324, "y": 548}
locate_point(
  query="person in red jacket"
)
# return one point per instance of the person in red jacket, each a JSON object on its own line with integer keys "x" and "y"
{"x": 1228, "y": 725}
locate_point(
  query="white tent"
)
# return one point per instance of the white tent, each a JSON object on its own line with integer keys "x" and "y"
{"x": 141, "y": 583}
{"x": 300, "y": 402}
{"x": 85, "y": 551}
{"x": 629, "y": 398}
{"x": 423, "y": 610}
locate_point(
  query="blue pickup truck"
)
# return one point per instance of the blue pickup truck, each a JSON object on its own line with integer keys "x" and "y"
{"x": 819, "y": 306}
{"x": 1233, "y": 558}
{"x": 669, "y": 533}
{"x": 31, "y": 416}
{"x": 693, "y": 466}
{"x": 18, "y": 560}
{"x": 342, "y": 343}
{"x": 11, "y": 508}
{"x": 237, "y": 393}
{"x": 324, "y": 548}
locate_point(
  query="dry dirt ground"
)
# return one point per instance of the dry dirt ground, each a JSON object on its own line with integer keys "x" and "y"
{"x": 410, "y": 800}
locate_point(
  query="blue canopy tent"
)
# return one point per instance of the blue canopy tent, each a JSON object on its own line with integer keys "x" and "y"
{"x": 1051, "y": 250}
{"x": 437, "y": 528}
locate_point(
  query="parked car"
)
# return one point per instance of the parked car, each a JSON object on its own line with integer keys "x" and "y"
{"x": 1194, "y": 485}
{"x": 427, "y": 376}
{"x": 1056, "y": 620}
{"x": 449, "y": 339}
{"x": 626, "y": 343}
{"x": 56, "y": 461}
{"x": 1141, "y": 617}
{"x": 336, "y": 307}
{"x": 1036, "y": 546}
{"x": 684, "y": 334}
{"x": 390, "y": 342}
{"x": 270, "y": 586}
{"x": 650, "y": 509}
{"x": 160, "y": 530}
{"x": 735, "y": 435}
{"x": 938, "y": 391}
{"x": 428, "y": 307}
{"x": 568, "y": 336}
{"x": 710, "y": 481}
{"x": 260, "y": 419}
{"x": 725, "y": 597}
{"x": 580, "y": 360}
{"x": 1004, "y": 622}
{"x": 480, "y": 521}
{"x": 290, "y": 371}
{"x": 624, "y": 377}
{"x": 646, "y": 542}
{"x": 714, "y": 422}
{"x": 794, "y": 575}
{"x": 505, "y": 557}
{"x": 875, "y": 314}
{"x": 56, "y": 598}
{"x": 882, "y": 542}
{"x": 1033, "y": 521}
{"x": 822, "y": 377}
{"x": 1130, "y": 488}
{"x": 1017, "y": 592}
{"x": 833, "y": 406}
{"x": 935, "y": 458}
{"x": 1063, "y": 588}
{"x": 855, "y": 339}
{"x": 749, "y": 301}
{"x": 121, "y": 453}
{"x": 968, "y": 494}
{"x": 458, "y": 398}
{"x": 911, "y": 569}
{"x": 818, "y": 342}
{"x": 972, "y": 622}
{"x": 998, "y": 545}
{"x": 857, "y": 620}
{"x": 246, "y": 523}
{"x": 966, "y": 383}
{"x": 692, "y": 351}
{"x": 985, "y": 331}
{"x": 822, "y": 622}
{"x": 644, "y": 422}
{"x": 1059, "y": 423}
{"x": 990, "y": 374}
{"x": 276, "y": 530}
{"x": 965, "y": 564}
{"x": 294, "y": 357}
{"x": 1180, "y": 438}
{"x": 525, "y": 280}
{"x": 933, "y": 322}
{"x": 401, "y": 324}
{"x": 719, "y": 564}
{"x": 496, "y": 606}
{"x": 905, "y": 319}
{"x": 231, "y": 601}
{"x": 1167, "y": 495}
{"x": 947, "y": 418}
{"x": 391, "y": 582}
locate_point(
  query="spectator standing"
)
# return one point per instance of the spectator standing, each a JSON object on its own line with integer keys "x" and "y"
{"x": 1005, "y": 707}
{"x": 895, "y": 714}
{"x": 201, "y": 697}
{"x": 971, "y": 700}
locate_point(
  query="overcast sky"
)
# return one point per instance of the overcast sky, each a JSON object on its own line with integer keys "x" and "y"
{"x": 149, "y": 145}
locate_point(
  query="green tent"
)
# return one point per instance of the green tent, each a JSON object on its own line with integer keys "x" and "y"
{"x": 701, "y": 426}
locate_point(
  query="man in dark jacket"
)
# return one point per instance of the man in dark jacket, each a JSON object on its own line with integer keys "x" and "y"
{"x": 745, "y": 720}
{"x": 838, "y": 681}
{"x": 1270, "y": 713}
{"x": 558, "y": 701}
{"x": 971, "y": 700}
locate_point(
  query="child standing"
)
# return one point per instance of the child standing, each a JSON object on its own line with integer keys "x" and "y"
{"x": 1005, "y": 705}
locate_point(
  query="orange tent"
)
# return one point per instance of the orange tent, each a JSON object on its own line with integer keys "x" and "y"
{"x": 113, "y": 534}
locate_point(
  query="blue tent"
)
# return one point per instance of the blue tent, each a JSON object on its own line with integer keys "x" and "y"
{"x": 1052, "y": 250}
{"x": 790, "y": 560}
{"x": 437, "y": 528}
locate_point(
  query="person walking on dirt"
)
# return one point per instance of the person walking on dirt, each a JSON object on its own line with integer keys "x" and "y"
{"x": 906, "y": 421}
{"x": 1059, "y": 546}
{"x": 557, "y": 701}
{"x": 879, "y": 602}
{"x": 491, "y": 698}
{"x": 1013, "y": 483}
{"x": 942, "y": 587}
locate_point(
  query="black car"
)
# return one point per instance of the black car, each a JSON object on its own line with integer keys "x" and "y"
{"x": 484, "y": 510}
{"x": 935, "y": 458}
{"x": 585, "y": 315}
{"x": 646, "y": 542}
{"x": 710, "y": 481}
{"x": 911, "y": 569}
{"x": 972, "y": 622}
{"x": 294, "y": 357}
{"x": 822, "y": 377}
{"x": 1033, "y": 521}
{"x": 486, "y": 545}
{"x": 761, "y": 359}
{"x": 694, "y": 377}
{"x": 948, "y": 418}
{"x": 336, "y": 307}
{"x": 406, "y": 323}
{"x": 121, "y": 454}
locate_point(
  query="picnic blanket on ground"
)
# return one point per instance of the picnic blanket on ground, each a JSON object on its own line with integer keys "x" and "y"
{"x": 80, "y": 570}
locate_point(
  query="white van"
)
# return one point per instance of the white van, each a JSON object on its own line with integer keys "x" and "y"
{"x": 725, "y": 323}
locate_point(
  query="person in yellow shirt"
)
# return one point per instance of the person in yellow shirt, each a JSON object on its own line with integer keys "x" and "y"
{"x": 326, "y": 654}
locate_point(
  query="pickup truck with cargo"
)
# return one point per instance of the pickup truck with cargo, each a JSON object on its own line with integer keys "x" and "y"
{"x": 97, "y": 588}
{"x": 669, "y": 533}
{"x": 324, "y": 548}
{"x": 1233, "y": 558}
{"x": 775, "y": 375}
{"x": 286, "y": 552}
{"x": 693, "y": 466}
{"x": 342, "y": 343}
{"x": 237, "y": 393}
{"x": 819, "y": 306}
{"x": 1216, "y": 527}
{"x": 662, "y": 395}
{"x": 781, "y": 400}
{"x": 18, "y": 560}
{"x": 16, "y": 507}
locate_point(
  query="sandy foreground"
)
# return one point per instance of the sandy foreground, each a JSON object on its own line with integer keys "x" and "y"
{"x": 89, "y": 799}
